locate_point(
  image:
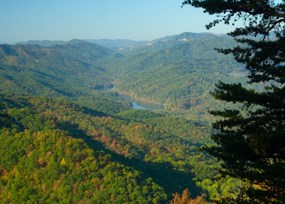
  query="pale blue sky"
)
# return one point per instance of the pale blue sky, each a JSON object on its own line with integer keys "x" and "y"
{"x": 22, "y": 20}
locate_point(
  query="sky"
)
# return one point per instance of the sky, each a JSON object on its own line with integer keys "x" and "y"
{"x": 23, "y": 20}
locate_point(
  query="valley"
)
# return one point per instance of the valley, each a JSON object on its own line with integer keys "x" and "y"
{"x": 112, "y": 121}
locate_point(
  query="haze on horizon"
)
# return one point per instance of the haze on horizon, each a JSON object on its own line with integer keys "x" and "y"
{"x": 95, "y": 19}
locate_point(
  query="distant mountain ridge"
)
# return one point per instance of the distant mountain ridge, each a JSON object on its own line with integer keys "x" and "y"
{"x": 118, "y": 44}
{"x": 126, "y": 44}
{"x": 176, "y": 70}
{"x": 187, "y": 36}
{"x": 46, "y": 43}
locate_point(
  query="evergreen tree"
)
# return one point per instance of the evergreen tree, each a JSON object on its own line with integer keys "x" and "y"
{"x": 250, "y": 136}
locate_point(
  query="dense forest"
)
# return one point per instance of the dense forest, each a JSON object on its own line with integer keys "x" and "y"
{"x": 192, "y": 118}
{"x": 70, "y": 135}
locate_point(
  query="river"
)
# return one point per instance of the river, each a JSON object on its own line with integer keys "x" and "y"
{"x": 136, "y": 104}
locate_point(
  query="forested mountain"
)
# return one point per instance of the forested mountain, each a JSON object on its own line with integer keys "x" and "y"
{"x": 178, "y": 71}
{"x": 69, "y": 135}
{"x": 68, "y": 69}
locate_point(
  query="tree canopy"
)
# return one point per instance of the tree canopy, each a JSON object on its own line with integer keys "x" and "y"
{"x": 250, "y": 136}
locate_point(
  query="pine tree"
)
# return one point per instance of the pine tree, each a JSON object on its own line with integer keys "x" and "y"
{"x": 250, "y": 137}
